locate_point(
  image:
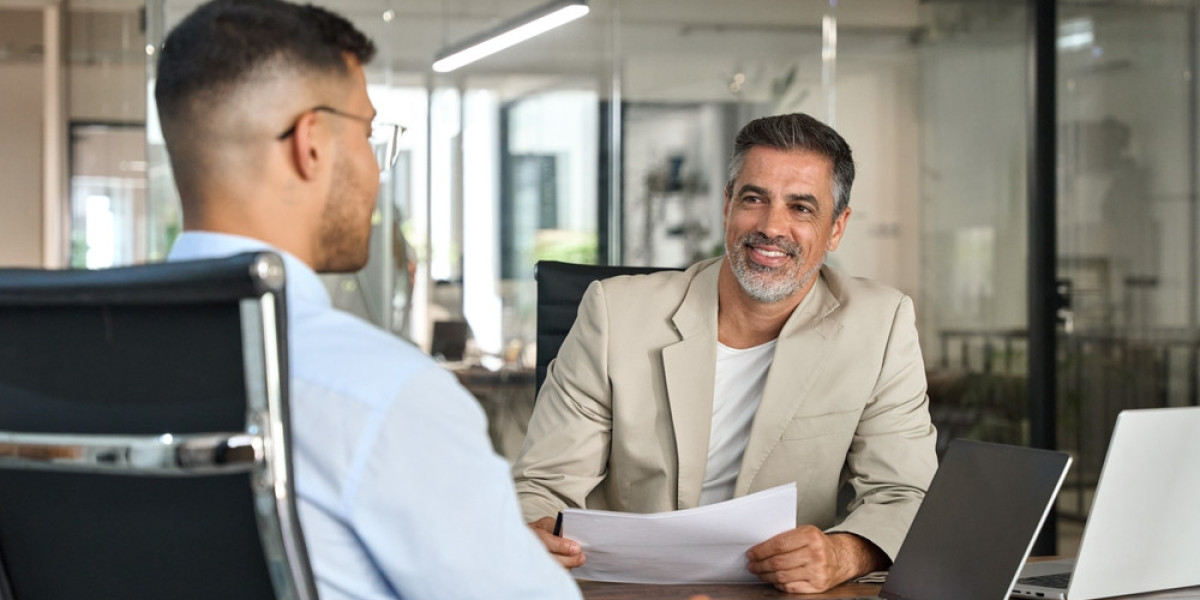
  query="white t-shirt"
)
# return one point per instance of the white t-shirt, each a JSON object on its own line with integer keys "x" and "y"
{"x": 741, "y": 377}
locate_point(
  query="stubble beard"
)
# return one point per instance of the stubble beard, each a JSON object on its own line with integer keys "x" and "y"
{"x": 765, "y": 284}
{"x": 345, "y": 233}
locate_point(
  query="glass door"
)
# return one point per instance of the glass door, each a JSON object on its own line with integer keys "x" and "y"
{"x": 1127, "y": 219}
{"x": 972, "y": 304}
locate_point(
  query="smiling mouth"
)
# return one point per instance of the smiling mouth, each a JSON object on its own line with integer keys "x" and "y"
{"x": 769, "y": 253}
{"x": 763, "y": 253}
{"x": 767, "y": 260}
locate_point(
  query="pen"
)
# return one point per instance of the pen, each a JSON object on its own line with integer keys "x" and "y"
{"x": 558, "y": 524}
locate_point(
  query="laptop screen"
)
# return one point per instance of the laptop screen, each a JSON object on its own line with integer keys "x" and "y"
{"x": 977, "y": 523}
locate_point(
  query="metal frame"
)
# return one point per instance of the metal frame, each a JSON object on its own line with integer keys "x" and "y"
{"x": 167, "y": 454}
{"x": 267, "y": 419}
{"x": 1043, "y": 251}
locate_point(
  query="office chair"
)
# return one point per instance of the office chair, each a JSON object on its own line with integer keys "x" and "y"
{"x": 144, "y": 450}
{"x": 560, "y": 287}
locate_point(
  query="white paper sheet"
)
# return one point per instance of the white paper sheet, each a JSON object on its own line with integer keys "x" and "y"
{"x": 706, "y": 544}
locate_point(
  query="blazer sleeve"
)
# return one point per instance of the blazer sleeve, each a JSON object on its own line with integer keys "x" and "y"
{"x": 892, "y": 456}
{"x": 565, "y": 454}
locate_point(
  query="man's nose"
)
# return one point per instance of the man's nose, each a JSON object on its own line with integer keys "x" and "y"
{"x": 774, "y": 221}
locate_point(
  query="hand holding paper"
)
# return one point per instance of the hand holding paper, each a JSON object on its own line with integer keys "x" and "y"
{"x": 565, "y": 551}
{"x": 706, "y": 544}
{"x": 806, "y": 560}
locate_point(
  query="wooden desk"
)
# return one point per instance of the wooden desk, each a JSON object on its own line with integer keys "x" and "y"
{"x": 593, "y": 590}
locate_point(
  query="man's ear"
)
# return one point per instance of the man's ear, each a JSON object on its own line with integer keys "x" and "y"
{"x": 307, "y": 151}
{"x": 838, "y": 230}
{"x": 725, "y": 211}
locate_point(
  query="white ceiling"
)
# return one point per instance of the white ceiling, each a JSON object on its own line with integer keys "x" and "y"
{"x": 663, "y": 48}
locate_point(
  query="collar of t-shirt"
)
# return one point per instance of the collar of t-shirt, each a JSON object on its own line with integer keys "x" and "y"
{"x": 741, "y": 377}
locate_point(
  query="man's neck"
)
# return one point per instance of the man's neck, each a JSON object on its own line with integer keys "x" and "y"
{"x": 252, "y": 221}
{"x": 743, "y": 322}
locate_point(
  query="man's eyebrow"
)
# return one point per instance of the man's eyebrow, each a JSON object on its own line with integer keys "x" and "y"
{"x": 760, "y": 191}
{"x": 754, "y": 189}
{"x": 802, "y": 198}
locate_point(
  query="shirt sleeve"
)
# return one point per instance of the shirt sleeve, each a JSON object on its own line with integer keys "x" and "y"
{"x": 436, "y": 508}
{"x": 566, "y": 449}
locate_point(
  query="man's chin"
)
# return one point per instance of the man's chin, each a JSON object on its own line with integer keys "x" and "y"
{"x": 767, "y": 292}
{"x": 343, "y": 264}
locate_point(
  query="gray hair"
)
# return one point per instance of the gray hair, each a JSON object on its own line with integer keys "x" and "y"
{"x": 797, "y": 131}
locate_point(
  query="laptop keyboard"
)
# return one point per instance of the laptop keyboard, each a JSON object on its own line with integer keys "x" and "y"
{"x": 1053, "y": 580}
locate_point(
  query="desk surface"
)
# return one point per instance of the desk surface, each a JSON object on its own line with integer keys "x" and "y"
{"x": 593, "y": 590}
{"x": 633, "y": 591}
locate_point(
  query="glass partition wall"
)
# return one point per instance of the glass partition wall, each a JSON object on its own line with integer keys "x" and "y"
{"x": 1127, "y": 221}
{"x": 607, "y": 141}
{"x": 1126, "y": 215}
{"x": 971, "y": 306}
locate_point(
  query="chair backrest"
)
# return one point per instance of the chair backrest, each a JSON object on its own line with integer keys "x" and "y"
{"x": 560, "y": 287}
{"x": 144, "y": 433}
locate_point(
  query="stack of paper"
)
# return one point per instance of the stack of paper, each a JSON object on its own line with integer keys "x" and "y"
{"x": 706, "y": 544}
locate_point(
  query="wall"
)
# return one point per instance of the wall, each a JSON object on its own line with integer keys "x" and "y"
{"x": 877, "y": 116}
{"x": 972, "y": 181}
{"x": 105, "y": 83}
{"x": 21, "y": 164}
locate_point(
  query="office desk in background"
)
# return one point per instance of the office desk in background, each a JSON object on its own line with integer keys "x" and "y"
{"x": 507, "y": 398}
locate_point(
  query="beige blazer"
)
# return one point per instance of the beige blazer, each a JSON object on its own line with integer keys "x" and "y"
{"x": 623, "y": 419}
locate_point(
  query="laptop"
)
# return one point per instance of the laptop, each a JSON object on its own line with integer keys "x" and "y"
{"x": 1142, "y": 531}
{"x": 975, "y": 528}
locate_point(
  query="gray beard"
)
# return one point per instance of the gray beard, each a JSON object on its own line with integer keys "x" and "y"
{"x": 759, "y": 288}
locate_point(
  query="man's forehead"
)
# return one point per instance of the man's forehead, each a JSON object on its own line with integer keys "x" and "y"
{"x": 805, "y": 165}
{"x": 794, "y": 156}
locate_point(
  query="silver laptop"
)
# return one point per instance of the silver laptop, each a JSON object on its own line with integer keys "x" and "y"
{"x": 975, "y": 528}
{"x": 1145, "y": 519}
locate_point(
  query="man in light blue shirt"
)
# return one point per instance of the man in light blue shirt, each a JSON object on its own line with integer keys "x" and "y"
{"x": 265, "y": 113}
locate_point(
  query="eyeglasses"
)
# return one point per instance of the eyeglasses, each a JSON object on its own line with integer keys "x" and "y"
{"x": 383, "y": 136}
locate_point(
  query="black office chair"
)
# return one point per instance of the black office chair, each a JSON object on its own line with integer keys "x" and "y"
{"x": 144, "y": 450}
{"x": 560, "y": 287}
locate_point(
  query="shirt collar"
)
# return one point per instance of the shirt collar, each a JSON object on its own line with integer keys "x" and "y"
{"x": 303, "y": 284}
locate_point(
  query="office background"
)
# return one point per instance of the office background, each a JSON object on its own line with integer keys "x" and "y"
{"x": 606, "y": 141}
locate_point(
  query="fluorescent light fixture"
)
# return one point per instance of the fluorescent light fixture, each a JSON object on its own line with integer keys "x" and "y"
{"x": 1076, "y": 34}
{"x": 511, "y": 32}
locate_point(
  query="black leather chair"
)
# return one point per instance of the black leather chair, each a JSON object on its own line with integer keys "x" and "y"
{"x": 144, "y": 434}
{"x": 560, "y": 287}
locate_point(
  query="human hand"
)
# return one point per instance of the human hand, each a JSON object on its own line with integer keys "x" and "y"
{"x": 805, "y": 560}
{"x": 566, "y": 552}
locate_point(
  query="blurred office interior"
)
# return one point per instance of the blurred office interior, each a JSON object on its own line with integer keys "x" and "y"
{"x": 606, "y": 141}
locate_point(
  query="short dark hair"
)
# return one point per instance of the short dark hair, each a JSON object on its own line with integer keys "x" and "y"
{"x": 797, "y": 131}
{"x": 223, "y": 42}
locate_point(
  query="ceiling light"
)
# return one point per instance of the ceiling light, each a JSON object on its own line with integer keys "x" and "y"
{"x": 510, "y": 33}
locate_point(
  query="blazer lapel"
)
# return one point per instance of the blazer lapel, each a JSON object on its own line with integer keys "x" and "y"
{"x": 689, "y": 367}
{"x": 799, "y": 359}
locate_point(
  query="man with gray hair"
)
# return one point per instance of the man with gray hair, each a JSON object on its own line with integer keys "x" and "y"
{"x": 745, "y": 372}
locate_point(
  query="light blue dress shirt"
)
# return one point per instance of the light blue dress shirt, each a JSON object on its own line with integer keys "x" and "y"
{"x": 399, "y": 491}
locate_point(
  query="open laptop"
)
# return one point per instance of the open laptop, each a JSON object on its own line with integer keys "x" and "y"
{"x": 1144, "y": 524}
{"x": 975, "y": 528}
